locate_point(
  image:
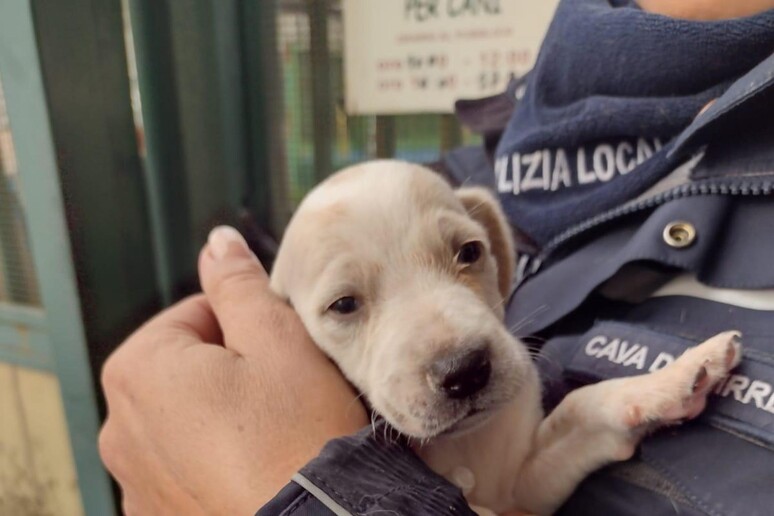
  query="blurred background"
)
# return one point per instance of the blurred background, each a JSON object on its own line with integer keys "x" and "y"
{"x": 128, "y": 129}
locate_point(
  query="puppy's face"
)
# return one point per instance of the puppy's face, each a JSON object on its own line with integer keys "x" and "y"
{"x": 401, "y": 280}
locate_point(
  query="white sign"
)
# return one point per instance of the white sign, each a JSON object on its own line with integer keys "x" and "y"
{"x": 409, "y": 56}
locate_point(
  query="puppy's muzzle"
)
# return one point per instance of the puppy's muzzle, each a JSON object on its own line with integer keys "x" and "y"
{"x": 461, "y": 375}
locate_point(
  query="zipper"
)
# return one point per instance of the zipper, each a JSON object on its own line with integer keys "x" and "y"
{"x": 712, "y": 187}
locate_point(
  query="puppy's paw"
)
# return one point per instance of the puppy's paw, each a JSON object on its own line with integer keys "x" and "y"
{"x": 679, "y": 391}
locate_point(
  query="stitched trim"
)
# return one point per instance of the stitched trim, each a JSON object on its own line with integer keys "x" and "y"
{"x": 359, "y": 507}
{"x": 659, "y": 466}
{"x": 365, "y": 506}
{"x": 718, "y": 424}
{"x": 334, "y": 506}
{"x": 351, "y": 505}
{"x": 301, "y": 500}
{"x": 385, "y": 495}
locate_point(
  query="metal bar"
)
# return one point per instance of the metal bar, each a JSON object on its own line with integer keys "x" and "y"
{"x": 386, "y": 137}
{"x": 26, "y": 347}
{"x": 451, "y": 132}
{"x": 24, "y": 337}
{"x": 164, "y": 162}
{"x": 190, "y": 78}
{"x": 201, "y": 120}
{"x": 23, "y": 358}
{"x": 29, "y": 316}
{"x": 22, "y": 72}
{"x": 230, "y": 86}
{"x": 83, "y": 59}
{"x": 268, "y": 196}
{"x": 322, "y": 95}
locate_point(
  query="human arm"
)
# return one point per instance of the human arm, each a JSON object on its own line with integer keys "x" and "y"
{"x": 197, "y": 414}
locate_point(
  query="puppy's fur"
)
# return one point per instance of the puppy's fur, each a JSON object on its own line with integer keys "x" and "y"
{"x": 402, "y": 282}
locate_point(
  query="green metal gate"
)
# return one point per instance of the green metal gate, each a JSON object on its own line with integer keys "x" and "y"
{"x": 133, "y": 127}
{"x": 40, "y": 320}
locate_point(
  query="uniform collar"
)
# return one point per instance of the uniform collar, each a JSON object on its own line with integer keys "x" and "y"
{"x": 751, "y": 87}
{"x": 613, "y": 93}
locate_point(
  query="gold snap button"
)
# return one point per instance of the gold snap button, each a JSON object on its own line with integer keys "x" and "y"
{"x": 679, "y": 234}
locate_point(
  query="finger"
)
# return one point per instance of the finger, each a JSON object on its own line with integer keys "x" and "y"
{"x": 188, "y": 323}
{"x": 109, "y": 450}
{"x": 193, "y": 316}
{"x": 237, "y": 288}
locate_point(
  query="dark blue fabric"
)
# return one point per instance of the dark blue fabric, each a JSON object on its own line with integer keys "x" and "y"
{"x": 744, "y": 403}
{"x": 294, "y": 500}
{"x": 605, "y": 494}
{"x": 759, "y": 80}
{"x": 720, "y": 464}
{"x": 622, "y": 87}
{"x": 732, "y": 249}
{"x": 469, "y": 166}
{"x": 608, "y": 492}
{"x": 488, "y": 116}
{"x": 612, "y": 86}
{"x": 369, "y": 474}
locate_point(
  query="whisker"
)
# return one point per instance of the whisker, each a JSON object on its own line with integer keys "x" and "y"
{"x": 354, "y": 400}
{"x": 527, "y": 319}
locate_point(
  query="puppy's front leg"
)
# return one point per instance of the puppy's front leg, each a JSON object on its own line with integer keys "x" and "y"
{"x": 603, "y": 423}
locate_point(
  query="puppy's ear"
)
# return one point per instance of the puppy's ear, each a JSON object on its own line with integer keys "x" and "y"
{"x": 482, "y": 207}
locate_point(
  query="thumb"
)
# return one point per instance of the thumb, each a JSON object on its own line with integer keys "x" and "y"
{"x": 236, "y": 286}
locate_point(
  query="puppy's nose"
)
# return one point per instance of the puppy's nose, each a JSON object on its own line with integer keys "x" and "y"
{"x": 462, "y": 375}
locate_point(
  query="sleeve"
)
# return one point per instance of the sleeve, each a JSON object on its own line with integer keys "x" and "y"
{"x": 365, "y": 474}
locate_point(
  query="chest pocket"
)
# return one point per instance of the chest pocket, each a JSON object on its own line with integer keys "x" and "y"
{"x": 722, "y": 463}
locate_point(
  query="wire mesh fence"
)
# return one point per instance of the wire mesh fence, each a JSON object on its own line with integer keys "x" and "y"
{"x": 318, "y": 135}
{"x": 312, "y": 63}
{"x": 17, "y": 276}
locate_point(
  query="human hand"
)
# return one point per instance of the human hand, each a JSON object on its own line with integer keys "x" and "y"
{"x": 217, "y": 401}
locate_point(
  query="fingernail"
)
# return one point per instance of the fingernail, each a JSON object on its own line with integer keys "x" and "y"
{"x": 225, "y": 239}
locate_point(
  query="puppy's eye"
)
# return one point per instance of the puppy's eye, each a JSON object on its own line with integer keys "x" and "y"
{"x": 345, "y": 305}
{"x": 470, "y": 252}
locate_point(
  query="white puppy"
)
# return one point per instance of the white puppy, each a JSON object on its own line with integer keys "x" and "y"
{"x": 401, "y": 281}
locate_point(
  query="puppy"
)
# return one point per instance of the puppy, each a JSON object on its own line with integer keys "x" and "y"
{"x": 402, "y": 280}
